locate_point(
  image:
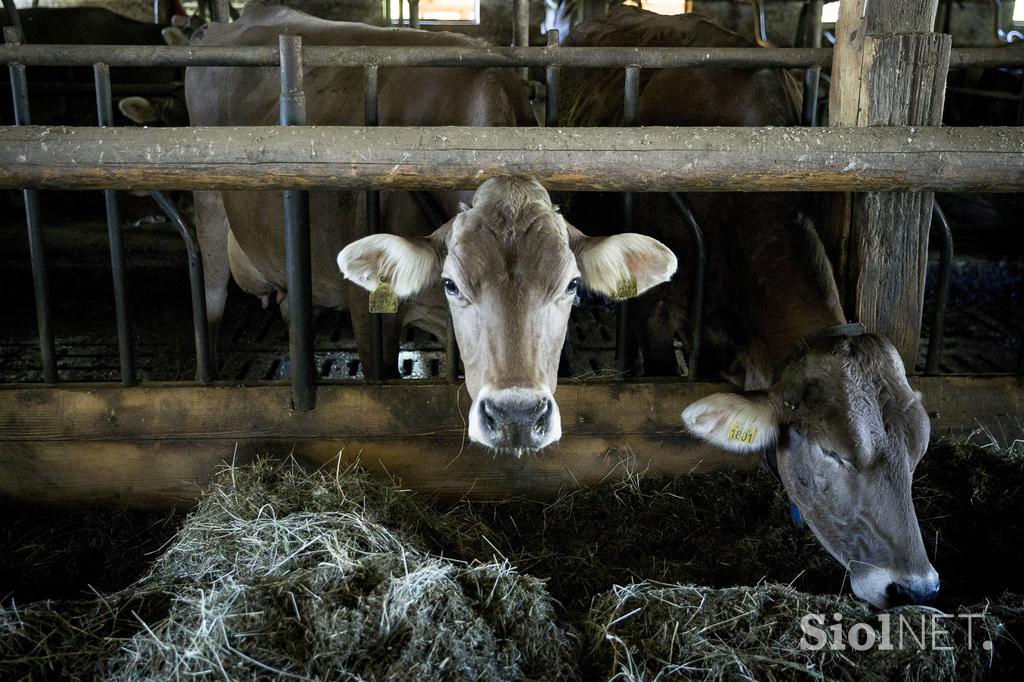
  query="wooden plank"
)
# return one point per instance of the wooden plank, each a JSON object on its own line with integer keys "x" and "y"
{"x": 634, "y": 159}
{"x": 158, "y": 445}
{"x": 889, "y": 70}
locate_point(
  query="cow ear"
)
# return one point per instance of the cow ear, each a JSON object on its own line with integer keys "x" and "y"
{"x": 138, "y": 110}
{"x": 623, "y": 265}
{"x": 407, "y": 265}
{"x": 733, "y": 421}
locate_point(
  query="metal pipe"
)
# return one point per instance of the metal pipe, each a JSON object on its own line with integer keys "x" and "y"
{"x": 221, "y": 10}
{"x": 760, "y": 24}
{"x": 697, "y": 285}
{"x": 37, "y": 255}
{"x": 105, "y": 118}
{"x": 482, "y": 56}
{"x": 414, "y": 13}
{"x": 387, "y": 18}
{"x": 551, "y": 77}
{"x": 15, "y": 19}
{"x": 625, "y": 350}
{"x": 204, "y": 364}
{"x": 371, "y": 118}
{"x": 486, "y": 56}
{"x": 812, "y": 76}
{"x": 297, "y": 240}
{"x": 521, "y": 29}
{"x": 931, "y": 364}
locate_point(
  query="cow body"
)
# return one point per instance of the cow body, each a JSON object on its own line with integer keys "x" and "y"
{"x": 831, "y": 404}
{"x": 420, "y": 96}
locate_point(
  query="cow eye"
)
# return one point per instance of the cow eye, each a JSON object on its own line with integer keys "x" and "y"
{"x": 450, "y": 287}
{"x": 574, "y": 286}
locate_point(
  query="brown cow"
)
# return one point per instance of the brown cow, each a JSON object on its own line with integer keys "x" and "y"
{"x": 509, "y": 265}
{"x": 829, "y": 403}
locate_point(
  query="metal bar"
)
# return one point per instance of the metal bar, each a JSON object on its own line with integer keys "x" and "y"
{"x": 371, "y": 118}
{"x": 521, "y": 28}
{"x": 414, "y": 13}
{"x": 15, "y": 19}
{"x": 401, "y": 12}
{"x": 387, "y": 19}
{"x": 221, "y": 10}
{"x": 551, "y": 77}
{"x": 812, "y": 76}
{"x": 297, "y": 240}
{"x": 651, "y": 159}
{"x": 760, "y": 25}
{"x": 37, "y": 255}
{"x": 204, "y": 362}
{"x": 697, "y": 286}
{"x": 625, "y": 350}
{"x": 483, "y": 56}
{"x": 931, "y": 365}
{"x": 105, "y": 116}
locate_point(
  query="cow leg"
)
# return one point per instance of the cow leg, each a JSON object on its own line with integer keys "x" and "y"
{"x": 212, "y": 231}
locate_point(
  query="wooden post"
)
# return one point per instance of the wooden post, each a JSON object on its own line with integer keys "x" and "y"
{"x": 889, "y": 70}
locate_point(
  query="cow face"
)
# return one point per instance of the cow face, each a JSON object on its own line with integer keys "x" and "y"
{"x": 848, "y": 432}
{"x": 510, "y": 267}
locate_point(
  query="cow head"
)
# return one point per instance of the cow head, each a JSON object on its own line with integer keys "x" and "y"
{"x": 510, "y": 266}
{"x": 848, "y": 432}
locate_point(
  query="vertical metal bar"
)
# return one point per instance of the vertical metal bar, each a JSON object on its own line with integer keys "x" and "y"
{"x": 624, "y": 345}
{"x": 931, "y": 363}
{"x": 37, "y": 256}
{"x": 221, "y": 10}
{"x": 697, "y": 285}
{"x": 12, "y": 16}
{"x": 204, "y": 362}
{"x": 812, "y": 76}
{"x": 521, "y": 28}
{"x": 371, "y": 117}
{"x": 551, "y": 74}
{"x": 297, "y": 247}
{"x": 105, "y": 116}
{"x": 414, "y": 13}
{"x": 401, "y": 12}
{"x": 387, "y": 12}
{"x": 760, "y": 24}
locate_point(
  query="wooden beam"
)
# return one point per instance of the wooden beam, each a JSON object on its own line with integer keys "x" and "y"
{"x": 889, "y": 70}
{"x": 626, "y": 159}
{"x": 158, "y": 445}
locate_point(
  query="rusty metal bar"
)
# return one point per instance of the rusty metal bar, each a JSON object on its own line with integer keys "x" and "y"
{"x": 14, "y": 18}
{"x": 931, "y": 365}
{"x": 105, "y": 118}
{"x": 414, "y": 13}
{"x": 371, "y": 118}
{"x": 204, "y": 359}
{"x": 37, "y": 255}
{"x": 297, "y": 241}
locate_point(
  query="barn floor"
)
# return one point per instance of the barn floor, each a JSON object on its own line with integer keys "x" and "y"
{"x": 705, "y": 572}
{"x": 985, "y": 320}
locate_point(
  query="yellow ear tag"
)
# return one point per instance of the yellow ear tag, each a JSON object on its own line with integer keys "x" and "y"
{"x": 383, "y": 299}
{"x": 743, "y": 433}
{"x": 627, "y": 287}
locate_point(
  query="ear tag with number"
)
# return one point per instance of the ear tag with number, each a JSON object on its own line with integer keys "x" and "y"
{"x": 383, "y": 299}
{"x": 740, "y": 432}
{"x": 627, "y": 287}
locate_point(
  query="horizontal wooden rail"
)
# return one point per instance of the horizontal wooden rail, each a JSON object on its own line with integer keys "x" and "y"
{"x": 157, "y": 445}
{"x": 634, "y": 159}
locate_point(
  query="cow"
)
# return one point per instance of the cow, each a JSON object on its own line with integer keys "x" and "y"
{"x": 97, "y": 26}
{"x": 506, "y": 264}
{"x": 825, "y": 402}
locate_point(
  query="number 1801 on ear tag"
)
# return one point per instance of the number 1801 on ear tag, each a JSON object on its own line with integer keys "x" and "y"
{"x": 383, "y": 299}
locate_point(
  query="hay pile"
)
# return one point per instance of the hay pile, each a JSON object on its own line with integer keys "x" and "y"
{"x": 278, "y": 573}
{"x": 283, "y": 574}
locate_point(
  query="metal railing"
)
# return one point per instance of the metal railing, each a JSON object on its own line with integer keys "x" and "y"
{"x": 290, "y": 57}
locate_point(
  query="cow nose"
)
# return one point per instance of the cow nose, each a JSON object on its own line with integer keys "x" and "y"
{"x": 901, "y": 594}
{"x": 515, "y": 419}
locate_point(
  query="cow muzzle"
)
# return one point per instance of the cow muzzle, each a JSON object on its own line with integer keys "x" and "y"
{"x": 884, "y": 589}
{"x": 515, "y": 420}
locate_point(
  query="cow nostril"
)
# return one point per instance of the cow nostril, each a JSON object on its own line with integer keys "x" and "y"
{"x": 543, "y": 414}
{"x": 489, "y": 414}
{"x": 902, "y": 595}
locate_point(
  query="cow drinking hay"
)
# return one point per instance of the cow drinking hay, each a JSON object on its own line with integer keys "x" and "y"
{"x": 793, "y": 521}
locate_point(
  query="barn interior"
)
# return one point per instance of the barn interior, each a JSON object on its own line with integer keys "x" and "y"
{"x": 644, "y": 575}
